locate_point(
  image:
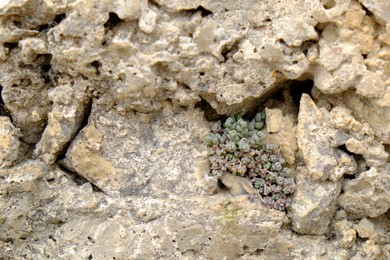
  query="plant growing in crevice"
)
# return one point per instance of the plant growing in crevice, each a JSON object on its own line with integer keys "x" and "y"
{"x": 237, "y": 148}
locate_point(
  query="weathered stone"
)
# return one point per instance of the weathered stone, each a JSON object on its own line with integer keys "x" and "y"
{"x": 380, "y": 8}
{"x": 153, "y": 71}
{"x": 63, "y": 121}
{"x": 9, "y": 142}
{"x": 365, "y": 228}
{"x": 314, "y": 204}
{"x": 134, "y": 173}
{"x": 314, "y": 137}
{"x": 368, "y": 194}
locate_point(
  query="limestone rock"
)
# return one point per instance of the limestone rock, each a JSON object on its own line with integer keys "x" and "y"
{"x": 314, "y": 204}
{"x": 63, "y": 121}
{"x": 365, "y": 228}
{"x": 314, "y": 137}
{"x": 9, "y": 142}
{"x": 129, "y": 178}
{"x": 380, "y": 8}
{"x": 143, "y": 147}
{"x": 368, "y": 194}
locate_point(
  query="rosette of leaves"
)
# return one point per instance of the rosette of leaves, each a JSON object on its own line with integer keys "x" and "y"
{"x": 237, "y": 148}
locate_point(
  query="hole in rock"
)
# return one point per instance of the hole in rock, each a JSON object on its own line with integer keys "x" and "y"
{"x": 17, "y": 23}
{"x": 46, "y": 72}
{"x": 112, "y": 21}
{"x": 228, "y": 51}
{"x": 11, "y": 45}
{"x": 298, "y": 88}
{"x": 59, "y": 18}
{"x": 306, "y": 45}
{"x": 96, "y": 64}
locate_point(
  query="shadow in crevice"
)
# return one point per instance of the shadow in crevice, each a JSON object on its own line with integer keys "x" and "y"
{"x": 298, "y": 88}
{"x": 210, "y": 113}
{"x": 113, "y": 21}
{"x": 3, "y": 109}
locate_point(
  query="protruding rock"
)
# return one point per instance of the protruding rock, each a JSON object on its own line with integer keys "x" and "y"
{"x": 314, "y": 204}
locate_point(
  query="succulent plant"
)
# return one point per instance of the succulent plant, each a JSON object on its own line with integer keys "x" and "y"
{"x": 237, "y": 148}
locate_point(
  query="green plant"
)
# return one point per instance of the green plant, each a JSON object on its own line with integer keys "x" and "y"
{"x": 237, "y": 148}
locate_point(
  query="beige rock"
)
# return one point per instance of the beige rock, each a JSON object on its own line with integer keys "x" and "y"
{"x": 9, "y": 142}
{"x": 365, "y": 228}
{"x": 63, "y": 121}
{"x": 274, "y": 119}
{"x": 135, "y": 181}
{"x": 314, "y": 204}
{"x": 314, "y": 136}
{"x": 368, "y": 194}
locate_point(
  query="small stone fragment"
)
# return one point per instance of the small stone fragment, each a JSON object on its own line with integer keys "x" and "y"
{"x": 365, "y": 228}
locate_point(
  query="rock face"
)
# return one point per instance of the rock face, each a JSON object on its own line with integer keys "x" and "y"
{"x": 104, "y": 106}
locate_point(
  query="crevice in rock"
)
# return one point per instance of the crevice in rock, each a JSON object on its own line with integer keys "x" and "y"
{"x": 87, "y": 112}
{"x": 3, "y": 109}
{"x": 306, "y": 45}
{"x": 46, "y": 69}
{"x": 77, "y": 178}
{"x": 229, "y": 50}
{"x": 298, "y": 88}
{"x": 11, "y": 45}
{"x": 112, "y": 21}
{"x": 47, "y": 26}
{"x": 345, "y": 150}
{"x": 209, "y": 112}
{"x": 203, "y": 11}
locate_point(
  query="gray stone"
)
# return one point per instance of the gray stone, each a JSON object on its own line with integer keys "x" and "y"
{"x": 368, "y": 194}
{"x": 314, "y": 204}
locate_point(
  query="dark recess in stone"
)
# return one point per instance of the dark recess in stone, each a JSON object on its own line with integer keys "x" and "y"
{"x": 3, "y": 109}
{"x": 11, "y": 45}
{"x": 298, "y": 88}
{"x": 76, "y": 178}
{"x": 96, "y": 64}
{"x": 305, "y": 46}
{"x": 228, "y": 51}
{"x": 209, "y": 112}
{"x": 59, "y": 18}
{"x": 112, "y": 21}
{"x": 53, "y": 23}
{"x": 203, "y": 11}
{"x": 345, "y": 150}
{"x": 46, "y": 70}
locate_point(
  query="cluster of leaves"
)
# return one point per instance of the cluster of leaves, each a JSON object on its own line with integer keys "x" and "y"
{"x": 237, "y": 148}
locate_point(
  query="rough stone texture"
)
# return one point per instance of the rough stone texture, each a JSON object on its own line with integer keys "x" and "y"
{"x": 314, "y": 204}
{"x": 314, "y": 137}
{"x": 369, "y": 194}
{"x": 9, "y": 142}
{"x": 168, "y": 144}
{"x": 104, "y": 105}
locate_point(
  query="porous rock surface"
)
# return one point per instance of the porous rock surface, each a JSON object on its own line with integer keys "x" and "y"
{"x": 104, "y": 105}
